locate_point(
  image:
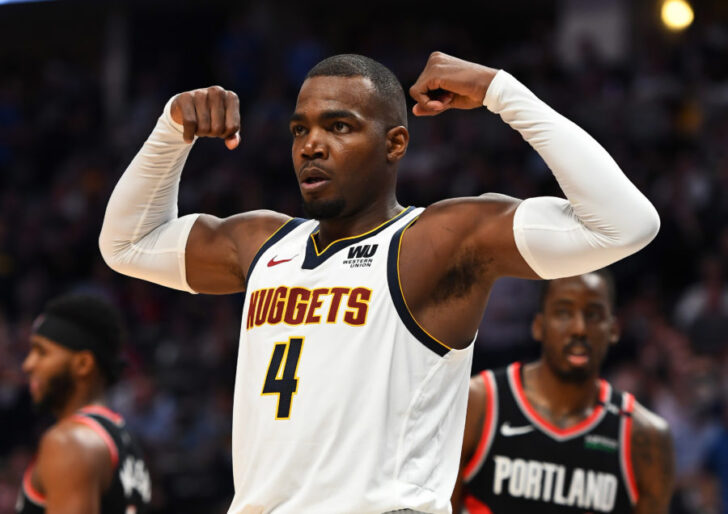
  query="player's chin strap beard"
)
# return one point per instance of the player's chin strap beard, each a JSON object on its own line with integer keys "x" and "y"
{"x": 325, "y": 209}
{"x": 60, "y": 388}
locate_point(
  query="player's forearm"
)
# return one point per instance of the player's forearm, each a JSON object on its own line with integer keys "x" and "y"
{"x": 606, "y": 217}
{"x": 141, "y": 235}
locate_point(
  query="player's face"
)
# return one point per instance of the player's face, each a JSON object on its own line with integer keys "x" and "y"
{"x": 339, "y": 146}
{"x": 576, "y": 326}
{"x": 48, "y": 366}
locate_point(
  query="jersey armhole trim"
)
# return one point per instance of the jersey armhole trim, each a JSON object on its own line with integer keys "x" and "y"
{"x": 30, "y": 492}
{"x": 101, "y": 431}
{"x": 475, "y": 506}
{"x": 489, "y": 423}
{"x": 395, "y": 290}
{"x": 625, "y": 456}
{"x": 104, "y": 412}
{"x": 276, "y": 236}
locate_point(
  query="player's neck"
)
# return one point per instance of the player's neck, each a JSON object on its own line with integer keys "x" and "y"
{"x": 82, "y": 397}
{"x": 360, "y": 222}
{"x": 562, "y": 399}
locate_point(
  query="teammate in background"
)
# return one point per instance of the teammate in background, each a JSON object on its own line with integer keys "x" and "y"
{"x": 355, "y": 349}
{"x": 87, "y": 462}
{"x": 551, "y": 436}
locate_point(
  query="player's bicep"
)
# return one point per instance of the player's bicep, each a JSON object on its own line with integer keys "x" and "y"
{"x": 653, "y": 458}
{"x": 484, "y": 225}
{"x": 496, "y": 234}
{"x": 219, "y": 251}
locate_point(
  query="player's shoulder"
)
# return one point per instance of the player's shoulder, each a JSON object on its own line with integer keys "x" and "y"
{"x": 477, "y": 385}
{"x": 479, "y": 389}
{"x": 646, "y": 421}
{"x": 464, "y": 216}
{"x": 653, "y": 457}
{"x": 488, "y": 203}
{"x": 71, "y": 451}
{"x": 262, "y": 220}
{"x": 246, "y": 231}
{"x": 495, "y": 376}
{"x": 72, "y": 437}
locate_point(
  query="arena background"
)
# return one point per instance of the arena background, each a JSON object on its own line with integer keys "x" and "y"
{"x": 81, "y": 84}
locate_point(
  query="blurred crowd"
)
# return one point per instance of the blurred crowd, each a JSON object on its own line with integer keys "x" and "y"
{"x": 662, "y": 112}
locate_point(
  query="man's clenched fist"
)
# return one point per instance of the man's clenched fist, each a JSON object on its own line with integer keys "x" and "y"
{"x": 450, "y": 83}
{"x": 208, "y": 112}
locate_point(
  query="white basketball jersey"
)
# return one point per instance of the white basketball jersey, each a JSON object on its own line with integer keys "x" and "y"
{"x": 343, "y": 403}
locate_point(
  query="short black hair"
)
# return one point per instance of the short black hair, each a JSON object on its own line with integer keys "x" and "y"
{"x": 606, "y": 275}
{"x": 100, "y": 320}
{"x": 385, "y": 82}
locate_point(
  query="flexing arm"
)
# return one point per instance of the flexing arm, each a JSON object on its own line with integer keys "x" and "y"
{"x": 143, "y": 237}
{"x": 73, "y": 470}
{"x": 605, "y": 217}
{"x": 450, "y": 258}
{"x": 653, "y": 459}
{"x": 473, "y": 429}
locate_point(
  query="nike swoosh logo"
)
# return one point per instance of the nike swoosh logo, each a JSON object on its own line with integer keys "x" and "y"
{"x": 274, "y": 262}
{"x": 507, "y": 430}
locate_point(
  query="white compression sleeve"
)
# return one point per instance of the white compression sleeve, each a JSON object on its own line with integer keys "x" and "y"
{"x": 605, "y": 219}
{"x": 141, "y": 235}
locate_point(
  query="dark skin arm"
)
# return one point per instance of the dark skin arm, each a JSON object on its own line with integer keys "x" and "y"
{"x": 653, "y": 459}
{"x": 219, "y": 251}
{"x": 473, "y": 429}
{"x": 73, "y": 469}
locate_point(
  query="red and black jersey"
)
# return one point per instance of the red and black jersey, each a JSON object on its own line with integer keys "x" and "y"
{"x": 525, "y": 464}
{"x": 130, "y": 489}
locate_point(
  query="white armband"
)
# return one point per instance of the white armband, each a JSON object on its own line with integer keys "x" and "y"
{"x": 605, "y": 219}
{"x": 141, "y": 235}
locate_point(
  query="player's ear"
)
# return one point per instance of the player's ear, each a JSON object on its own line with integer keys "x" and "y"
{"x": 397, "y": 141}
{"x": 83, "y": 363}
{"x": 537, "y": 327}
{"x": 615, "y": 330}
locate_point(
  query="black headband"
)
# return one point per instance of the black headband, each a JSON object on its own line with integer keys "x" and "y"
{"x": 64, "y": 332}
{"x": 75, "y": 337}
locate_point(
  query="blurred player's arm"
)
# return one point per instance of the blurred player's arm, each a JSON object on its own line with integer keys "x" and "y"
{"x": 604, "y": 218}
{"x": 143, "y": 237}
{"x": 473, "y": 430}
{"x": 74, "y": 468}
{"x": 653, "y": 459}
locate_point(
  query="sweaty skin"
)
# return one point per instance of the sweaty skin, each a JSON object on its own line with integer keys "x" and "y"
{"x": 578, "y": 308}
{"x": 449, "y": 258}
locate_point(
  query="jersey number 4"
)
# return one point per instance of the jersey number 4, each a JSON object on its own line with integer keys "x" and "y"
{"x": 281, "y": 376}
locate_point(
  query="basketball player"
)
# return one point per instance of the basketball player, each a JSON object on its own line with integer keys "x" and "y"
{"x": 357, "y": 324}
{"x": 86, "y": 462}
{"x": 551, "y": 436}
